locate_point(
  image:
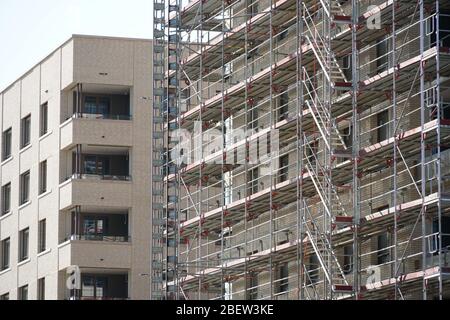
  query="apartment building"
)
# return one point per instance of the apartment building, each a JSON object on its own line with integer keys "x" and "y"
{"x": 348, "y": 198}
{"x": 75, "y": 174}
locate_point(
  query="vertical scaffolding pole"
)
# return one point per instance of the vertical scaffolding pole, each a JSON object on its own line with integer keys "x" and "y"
{"x": 355, "y": 153}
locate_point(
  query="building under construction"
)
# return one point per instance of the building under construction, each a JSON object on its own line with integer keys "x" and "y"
{"x": 301, "y": 149}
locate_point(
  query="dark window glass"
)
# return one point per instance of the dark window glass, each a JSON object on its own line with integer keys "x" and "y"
{"x": 252, "y": 286}
{"x": 23, "y": 293}
{"x": 4, "y": 297}
{"x": 24, "y": 188}
{"x": 252, "y": 180}
{"x": 6, "y": 199}
{"x": 284, "y": 106}
{"x": 284, "y": 168}
{"x": 94, "y": 228}
{"x": 24, "y": 238}
{"x": 283, "y": 274}
{"x": 97, "y": 165}
{"x": 99, "y": 106}
{"x": 445, "y": 235}
{"x": 43, "y": 177}
{"x": 41, "y": 289}
{"x": 383, "y": 125}
{"x": 5, "y": 254}
{"x": 383, "y": 250}
{"x": 348, "y": 259}
{"x": 313, "y": 269}
{"x": 42, "y": 240}
{"x": 382, "y": 54}
{"x": 25, "y": 131}
{"x": 7, "y": 141}
{"x": 94, "y": 287}
{"x": 44, "y": 119}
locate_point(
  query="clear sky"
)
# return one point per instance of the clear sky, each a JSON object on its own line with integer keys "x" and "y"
{"x": 31, "y": 29}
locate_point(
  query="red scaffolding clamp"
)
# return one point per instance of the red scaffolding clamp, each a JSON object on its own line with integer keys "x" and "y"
{"x": 205, "y": 233}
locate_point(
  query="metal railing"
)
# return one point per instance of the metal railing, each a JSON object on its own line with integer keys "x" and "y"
{"x": 103, "y": 238}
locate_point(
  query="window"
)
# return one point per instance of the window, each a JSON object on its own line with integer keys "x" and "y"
{"x": 43, "y": 177}
{"x": 7, "y": 141}
{"x": 5, "y": 254}
{"x": 284, "y": 168}
{"x": 347, "y": 67}
{"x": 94, "y": 228}
{"x": 23, "y": 293}
{"x": 25, "y": 132}
{"x": 6, "y": 199}
{"x": 252, "y": 286}
{"x": 348, "y": 259}
{"x": 42, "y": 241}
{"x": 445, "y": 235}
{"x": 284, "y": 106}
{"x": 99, "y": 106}
{"x": 41, "y": 289}
{"x": 252, "y": 180}
{"x": 313, "y": 269}
{"x": 24, "y": 237}
{"x": 253, "y": 118}
{"x": 382, "y": 125}
{"x": 383, "y": 251}
{"x": 283, "y": 278}
{"x": 228, "y": 187}
{"x": 44, "y": 119}
{"x": 283, "y": 35}
{"x": 382, "y": 54}
{"x": 96, "y": 165}
{"x": 4, "y": 297}
{"x": 94, "y": 287}
{"x": 24, "y": 188}
{"x": 347, "y": 136}
{"x": 311, "y": 151}
{"x": 252, "y": 7}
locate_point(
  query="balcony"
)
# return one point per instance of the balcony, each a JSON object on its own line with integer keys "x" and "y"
{"x": 95, "y": 254}
{"x": 98, "y": 115}
{"x": 101, "y": 286}
{"x": 105, "y": 132}
{"x": 99, "y": 226}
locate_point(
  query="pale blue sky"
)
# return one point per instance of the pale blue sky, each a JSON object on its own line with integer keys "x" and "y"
{"x": 31, "y": 29}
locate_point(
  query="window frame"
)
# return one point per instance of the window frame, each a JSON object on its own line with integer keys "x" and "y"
{"x": 4, "y": 297}
{"x": 5, "y": 262}
{"x": 283, "y": 174}
{"x": 7, "y": 144}
{"x": 24, "y": 244}
{"x": 23, "y": 293}
{"x": 43, "y": 172}
{"x": 41, "y": 289}
{"x": 24, "y": 187}
{"x": 383, "y": 252}
{"x": 25, "y": 131}
{"x": 383, "y": 119}
{"x": 283, "y": 278}
{"x": 43, "y": 119}
{"x": 6, "y": 199}
{"x": 42, "y": 235}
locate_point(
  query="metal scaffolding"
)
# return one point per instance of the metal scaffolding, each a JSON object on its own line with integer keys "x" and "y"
{"x": 301, "y": 149}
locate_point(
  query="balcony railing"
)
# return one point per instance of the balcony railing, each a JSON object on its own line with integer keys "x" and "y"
{"x": 84, "y": 176}
{"x": 98, "y": 298}
{"x": 93, "y": 237}
{"x": 83, "y": 115}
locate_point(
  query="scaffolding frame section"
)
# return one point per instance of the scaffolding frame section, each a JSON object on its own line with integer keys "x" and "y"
{"x": 303, "y": 149}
